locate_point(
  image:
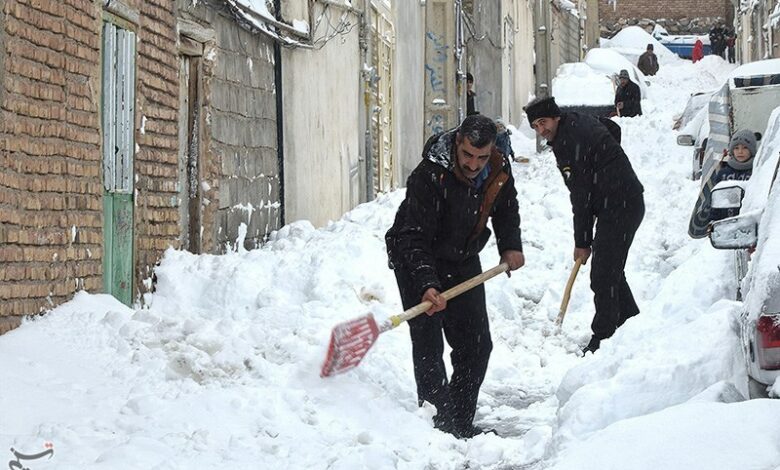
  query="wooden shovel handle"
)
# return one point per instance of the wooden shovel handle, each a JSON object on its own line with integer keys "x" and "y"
{"x": 396, "y": 320}
{"x": 567, "y": 292}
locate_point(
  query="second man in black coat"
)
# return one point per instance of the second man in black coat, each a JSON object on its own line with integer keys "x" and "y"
{"x": 605, "y": 193}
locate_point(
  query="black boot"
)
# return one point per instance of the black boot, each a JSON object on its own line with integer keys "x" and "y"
{"x": 473, "y": 430}
{"x": 593, "y": 345}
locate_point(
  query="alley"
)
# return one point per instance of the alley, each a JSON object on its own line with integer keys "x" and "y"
{"x": 221, "y": 369}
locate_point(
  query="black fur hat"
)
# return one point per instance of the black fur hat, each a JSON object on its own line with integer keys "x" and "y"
{"x": 541, "y": 107}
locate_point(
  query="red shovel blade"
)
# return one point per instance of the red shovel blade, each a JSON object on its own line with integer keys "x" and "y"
{"x": 349, "y": 343}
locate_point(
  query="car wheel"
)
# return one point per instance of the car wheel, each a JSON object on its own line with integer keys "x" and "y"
{"x": 756, "y": 389}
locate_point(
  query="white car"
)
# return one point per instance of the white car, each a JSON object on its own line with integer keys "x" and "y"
{"x": 757, "y": 227}
{"x": 694, "y": 129}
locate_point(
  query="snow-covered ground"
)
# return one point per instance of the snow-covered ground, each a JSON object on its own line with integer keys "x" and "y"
{"x": 222, "y": 369}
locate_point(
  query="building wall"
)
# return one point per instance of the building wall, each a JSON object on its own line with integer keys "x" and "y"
{"x": 321, "y": 123}
{"x": 520, "y": 81}
{"x": 485, "y": 50}
{"x": 49, "y": 155}
{"x": 502, "y": 61}
{"x": 156, "y": 158}
{"x": 409, "y": 86}
{"x": 668, "y": 9}
{"x": 565, "y": 43}
{"x": 51, "y": 213}
{"x": 677, "y": 16}
{"x": 240, "y": 161}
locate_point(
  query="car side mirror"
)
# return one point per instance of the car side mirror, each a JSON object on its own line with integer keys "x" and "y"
{"x": 734, "y": 233}
{"x": 686, "y": 140}
{"x": 728, "y": 196}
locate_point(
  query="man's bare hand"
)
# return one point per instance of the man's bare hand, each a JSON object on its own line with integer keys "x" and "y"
{"x": 438, "y": 303}
{"x": 515, "y": 259}
{"x": 583, "y": 253}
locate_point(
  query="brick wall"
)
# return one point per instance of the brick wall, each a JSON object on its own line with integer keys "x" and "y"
{"x": 668, "y": 9}
{"x": 50, "y": 206}
{"x": 694, "y": 15}
{"x": 157, "y": 111}
{"x": 51, "y": 213}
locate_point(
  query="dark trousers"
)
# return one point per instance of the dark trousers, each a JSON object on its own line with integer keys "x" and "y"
{"x": 465, "y": 326}
{"x": 612, "y": 296}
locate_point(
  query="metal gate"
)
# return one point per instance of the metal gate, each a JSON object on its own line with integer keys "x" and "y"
{"x": 118, "y": 112}
{"x": 383, "y": 45}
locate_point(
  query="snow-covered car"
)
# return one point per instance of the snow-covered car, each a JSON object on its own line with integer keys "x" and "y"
{"x": 744, "y": 101}
{"x": 598, "y": 74}
{"x": 681, "y": 44}
{"x": 757, "y": 228}
{"x": 694, "y": 128}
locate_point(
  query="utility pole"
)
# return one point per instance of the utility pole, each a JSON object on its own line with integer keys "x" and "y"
{"x": 542, "y": 51}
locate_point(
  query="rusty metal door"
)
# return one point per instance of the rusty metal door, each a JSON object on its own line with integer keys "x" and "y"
{"x": 118, "y": 114}
{"x": 190, "y": 129}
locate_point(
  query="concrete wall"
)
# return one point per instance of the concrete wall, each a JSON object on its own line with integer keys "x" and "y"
{"x": 566, "y": 43}
{"x": 753, "y": 42}
{"x": 409, "y": 87}
{"x": 321, "y": 123}
{"x": 240, "y": 161}
{"x": 503, "y": 62}
{"x": 520, "y": 81}
{"x": 485, "y": 50}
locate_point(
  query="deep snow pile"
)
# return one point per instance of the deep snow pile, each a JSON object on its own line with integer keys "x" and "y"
{"x": 221, "y": 370}
{"x": 632, "y": 42}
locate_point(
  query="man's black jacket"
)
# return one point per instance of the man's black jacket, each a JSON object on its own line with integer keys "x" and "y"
{"x": 444, "y": 216}
{"x": 595, "y": 169}
{"x": 631, "y": 96}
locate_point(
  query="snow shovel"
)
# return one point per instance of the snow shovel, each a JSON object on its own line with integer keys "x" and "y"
{"x": 351, "y": 340}
{"x": 567, "y": 292}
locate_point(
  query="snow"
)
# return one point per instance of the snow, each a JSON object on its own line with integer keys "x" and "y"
{"x": 571, "y": 79}
{"x": 632, "y": 42}
{"x": 221, "y": 369}
{"x": 611, "y": 62}
{"x": 761, "y": 67}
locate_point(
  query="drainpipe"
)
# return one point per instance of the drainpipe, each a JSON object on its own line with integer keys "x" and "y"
{"x": 279, "y": 116}
{"x": 460, "y": 75}
{"x": 368, "y": 75}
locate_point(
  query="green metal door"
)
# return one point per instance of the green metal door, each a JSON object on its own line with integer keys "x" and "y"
{"x": 118, "y": 111}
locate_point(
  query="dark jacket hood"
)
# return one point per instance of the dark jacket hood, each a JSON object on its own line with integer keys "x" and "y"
{"x": 439, "y": 148}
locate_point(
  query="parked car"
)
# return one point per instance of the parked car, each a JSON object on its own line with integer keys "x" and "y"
{"x": 682, "y": 45}
{"x": 754, "y": 234}
{"x": 694, "y": 129}
{"x": 744, "y": 101}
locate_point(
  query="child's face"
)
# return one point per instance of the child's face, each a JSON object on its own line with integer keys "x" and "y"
{"x": 741, "y": 153}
